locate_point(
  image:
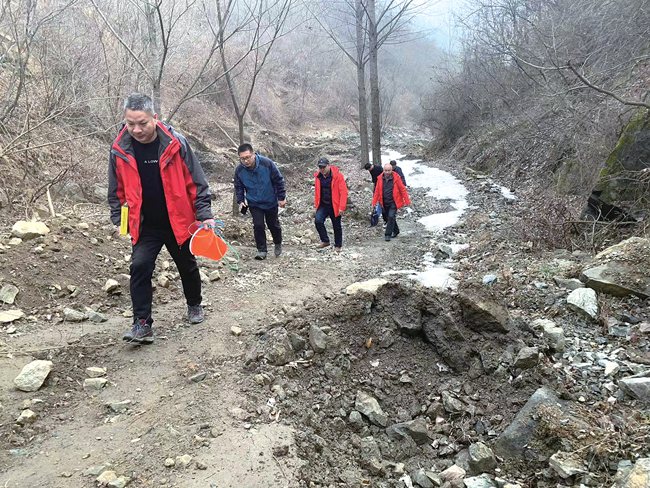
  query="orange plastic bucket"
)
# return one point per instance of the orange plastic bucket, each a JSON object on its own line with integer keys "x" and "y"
{"x": 207, "y": 244}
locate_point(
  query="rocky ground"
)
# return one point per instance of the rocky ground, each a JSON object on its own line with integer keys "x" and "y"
{"x": 521, "y": 376}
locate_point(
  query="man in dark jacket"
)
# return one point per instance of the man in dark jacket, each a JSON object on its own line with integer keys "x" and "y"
{"x": 391, "y": 194}
{"x": 398, "y": 170}
{"x": 375, "y": 171}
{"x": 330, "y": 200}
{"x": 153, "y": 172}
{"x": 259, "y": 186}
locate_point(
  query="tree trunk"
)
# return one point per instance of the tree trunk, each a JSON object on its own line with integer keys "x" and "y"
{"x": 374, "y": 85}
{"x": 152, "y": 53}
{"x": 361, "y": 85}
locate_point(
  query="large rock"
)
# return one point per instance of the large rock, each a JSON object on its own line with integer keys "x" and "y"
{"x": 8, "y": 293}
{"x": 585, "y": 301}
{"x": 369, "y": 407}
{"x": 636, "y": 477}
{"x": 317, "y": 338}
{"x": 33, "y": 375}
{"x": 515, "y": 442}
{"x": 481, "y": 458}
{"x": 637, "y": 387}
{"x": 484, "y": 315}
{"x": 9, "y": 316}
{"x": 415, "y": 429}
{"x": 369, "y": 286}
{"x": 622, "y": 269}
{"x": 553, "y": 333}
{"x": 29, "y": 230}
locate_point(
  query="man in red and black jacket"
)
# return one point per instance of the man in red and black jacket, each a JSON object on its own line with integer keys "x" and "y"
{"x": 153, "y": 171}
{"x": 330, "y": 200}
{"x": 391, "y": 194}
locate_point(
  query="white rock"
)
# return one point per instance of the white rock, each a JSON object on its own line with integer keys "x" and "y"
{"x": 111, "y": 286}
{"x": 9, "y": 316}
{"x": 236, "y": 331}
{"x": 95, "y": 383}
{"x": 27, "y": 416}
{"x": 8, "y": 293}
{"x": 29, "y": 230}
{"x": 584, "y": 300}
{"x": 106, "y": 477}
{"x": 33, "y": 375}
{"x": 95, "y": 372}
{"x": 183, "y": 461}
{"x": 369, "y": 286}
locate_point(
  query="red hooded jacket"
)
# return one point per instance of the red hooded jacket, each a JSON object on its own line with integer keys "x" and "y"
{"x": 400, "y": 195}
{"x": 186, "y": 190}
{"x": 339, "y": 190}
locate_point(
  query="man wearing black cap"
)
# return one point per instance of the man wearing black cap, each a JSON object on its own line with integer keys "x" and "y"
{"x": 330, "y": 200}
{"x": 398, "y": 170}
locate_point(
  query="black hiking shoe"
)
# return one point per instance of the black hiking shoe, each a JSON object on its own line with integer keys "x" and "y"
{"x": 260, "y": 255}
{"x": 395, "y": 234}
{"x": 140, "y": 333}
{"x": 195, "y": 314}
{"x": 278, "y": 250}
{"x": 387, "y": 238}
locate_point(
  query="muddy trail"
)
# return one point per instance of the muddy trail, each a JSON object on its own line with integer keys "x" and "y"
{"x": 295, "y": 379}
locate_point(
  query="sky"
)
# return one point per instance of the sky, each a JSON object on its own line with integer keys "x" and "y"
{"x": 438, "y": 20}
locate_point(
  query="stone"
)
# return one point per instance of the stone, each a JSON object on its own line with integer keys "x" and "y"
{"x": 111, "y": 286}
{"x": 484, "y": 315}
{"x": 183, "y": 461}
{"x": 298, "y": 343}
{"x": 527, "y": 358}
{"x": 214, "y": 275}
{"x": 637, "y": 387}
{"x": 120, "y": 482}
{"x": 8, "y": 293}
{"x": 481, "y": 481}
{"x": 94, "y": 316}
{"x": 198, "y": 377}
{"x": 489, "y": 279}
{"x": 29, "y": 230}
{"x": 569, "y": 284}
{"x": 566, "y": 465}
{"x": 515, "y": 441}
{"x": 585, "y": 301}
{"x": 170, "y": 463}
{"x": 452, "y": 404}
{"x": 33, "y": 375}
{"x": 119, "y": 407}
{"x": 371, "y": 455}
{"x": 415, "y": 429}
{"x": 164, "y": 281}
{"x": 236, "y": 331}
{"x": 317, "y": 338}
{"x": 481, "y": 458}
{"x": 27, "y": 416}
{"x": 8, "y": 316}
{"x": 552, "y": 333}
{"x": 95, "y": 372}
{"x": 636, "y": 477}
{"x": 622, "y": 269}
{"x": 94, "y": 383}
{"x": 72, "y": 315}
{"x": 453, "y": 473}
{"x": 106, "y": 477}
{"x": 370, "y": 286}
{"x": 356, "y": 420}
{"x": 369, "y": 406}
{"x": 421, "y": 479}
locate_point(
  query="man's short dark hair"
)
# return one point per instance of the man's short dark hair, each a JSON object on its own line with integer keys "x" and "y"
{"x": 367, "y": 166}
{"x": 393, "y": 163}
{"x": 139, "y": 102}
{"x": 245, "y": 147}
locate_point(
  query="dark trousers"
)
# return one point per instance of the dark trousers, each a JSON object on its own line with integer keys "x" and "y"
{"x": 389, "y": 214}
{"x": 323, "y": 212}
{"x": 272, "y": 222}
{"x": 143, "y": 261}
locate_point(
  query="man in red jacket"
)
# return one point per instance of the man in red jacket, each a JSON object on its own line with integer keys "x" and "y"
{"x": 330, "y": 200}
{"x": 391, "y": 194}
{"x": 153, "y": 172}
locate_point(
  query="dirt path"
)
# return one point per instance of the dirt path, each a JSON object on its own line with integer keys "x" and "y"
{"x": 167, "y": 414}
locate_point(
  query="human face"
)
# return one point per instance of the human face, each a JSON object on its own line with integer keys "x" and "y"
{"x": 141, "y": 125}
{"x": 388, "y": 171}
{"x": 247, "y": 158}
{"x": 325, "y": 170}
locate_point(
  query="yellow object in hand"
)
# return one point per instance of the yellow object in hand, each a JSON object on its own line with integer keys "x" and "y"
{"x": 124, "y": 220}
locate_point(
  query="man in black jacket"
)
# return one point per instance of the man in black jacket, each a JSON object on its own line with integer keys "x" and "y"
{"x": 398, "y": 170}
{"x": 375, "y": 171}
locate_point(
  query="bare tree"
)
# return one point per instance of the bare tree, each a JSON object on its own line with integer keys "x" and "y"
{"x": 267, "y": 20}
